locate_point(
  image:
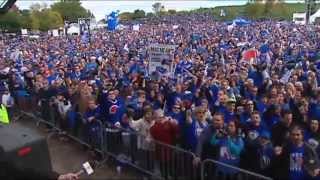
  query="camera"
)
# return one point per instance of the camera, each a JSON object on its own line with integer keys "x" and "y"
{"x": 221, "y": 133}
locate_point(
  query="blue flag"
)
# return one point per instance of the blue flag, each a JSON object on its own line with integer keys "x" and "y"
{"x": 112, "y": 20}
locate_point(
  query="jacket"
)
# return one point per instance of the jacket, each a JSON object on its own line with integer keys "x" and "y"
{"x": 280, "y": 164}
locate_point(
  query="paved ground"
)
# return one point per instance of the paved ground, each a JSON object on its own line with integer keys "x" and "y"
{"x": 68, "y": 157}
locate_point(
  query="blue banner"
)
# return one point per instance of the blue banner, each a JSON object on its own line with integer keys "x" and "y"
{"x": 112, "y": 20}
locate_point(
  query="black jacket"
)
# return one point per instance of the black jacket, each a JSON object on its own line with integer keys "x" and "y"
{"x": 280, "y": 164}
{"x": 279, "y": 134}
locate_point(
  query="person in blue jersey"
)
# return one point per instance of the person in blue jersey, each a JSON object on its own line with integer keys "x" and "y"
{"x": 112, "y": 109}
{"x": 76, "y": 73}
{"x": 248, "y": 109}
{"x": 194, "y": 126}
{"x": 92, "y": 126}
{"x": 177, "y": 112}
{"x": 231, "y": 147}
{"x": 176, "y": 94}
{"x": 272, "y": 116}
{"x": 262, "y": 104}
{"x": 220, "y": 104}
{"x": 296, "y": 160}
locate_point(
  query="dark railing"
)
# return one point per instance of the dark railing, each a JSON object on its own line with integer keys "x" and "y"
{"x": 153, "y": 158}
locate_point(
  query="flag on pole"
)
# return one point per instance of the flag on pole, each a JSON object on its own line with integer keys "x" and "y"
{"x": 250, "y": 54}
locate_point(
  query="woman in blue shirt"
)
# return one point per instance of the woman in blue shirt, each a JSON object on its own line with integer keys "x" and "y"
{"x": 231, "y": 146}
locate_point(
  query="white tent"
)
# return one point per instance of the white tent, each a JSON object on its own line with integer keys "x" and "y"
{"x": 73, "y": 30}
{"x": 299, "y": 18}
{"x": 314, "y": 16}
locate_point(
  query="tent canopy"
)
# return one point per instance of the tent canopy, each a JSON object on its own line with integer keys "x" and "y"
{"x": 241, "y": 22}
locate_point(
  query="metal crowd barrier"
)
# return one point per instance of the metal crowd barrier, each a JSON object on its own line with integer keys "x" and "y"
{"x": 211, "y": 169}
{"x": 152, "y": 157}
{"x": 47, "y": 114}
{"x": 127, "y": 147}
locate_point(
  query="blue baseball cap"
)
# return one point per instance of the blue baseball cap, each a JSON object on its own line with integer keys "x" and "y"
{"x": 265, "y": 134}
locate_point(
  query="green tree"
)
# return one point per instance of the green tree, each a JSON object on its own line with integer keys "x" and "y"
{"x": 138, "y": 14}
{"x": 25, "y": 19}
{"x": 10, "y": 22}
{"x": 50, "y": 20}
{"x": 125, "y": 16}
{"x": 172, "y": 11}
{"x": 255, "y": 10}
{"x": 71, "y": 10}
{"x": 149, "y": 15}
{"x": 157, "y": 7}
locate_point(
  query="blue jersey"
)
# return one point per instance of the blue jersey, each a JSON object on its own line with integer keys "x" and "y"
{"x": 113, "y": 111}
{"x": 296, "y": 171}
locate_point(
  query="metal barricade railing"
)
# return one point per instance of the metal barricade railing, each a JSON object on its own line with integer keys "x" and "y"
{"x": 126, "y": 146}
{"x": 211, "y": 169}
{"x": 152, "y": 157}
{"x": 47, "y": 113}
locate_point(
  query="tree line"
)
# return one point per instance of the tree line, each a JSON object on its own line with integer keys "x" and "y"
{"x": 41, "y": 17}
{"x": 254, "y": 9}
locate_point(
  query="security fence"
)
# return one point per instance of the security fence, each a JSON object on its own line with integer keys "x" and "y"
{"x": 128, "y": 147}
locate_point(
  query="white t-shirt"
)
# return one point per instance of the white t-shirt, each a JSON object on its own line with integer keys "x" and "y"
{"x": 7, "y": 100}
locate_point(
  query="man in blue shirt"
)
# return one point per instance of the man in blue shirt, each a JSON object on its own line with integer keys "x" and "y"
{"x": 295, "y": 160}
{"x": 112, "y": 109}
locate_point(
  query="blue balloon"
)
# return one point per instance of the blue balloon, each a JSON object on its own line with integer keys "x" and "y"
{"x": 112, "y": 21}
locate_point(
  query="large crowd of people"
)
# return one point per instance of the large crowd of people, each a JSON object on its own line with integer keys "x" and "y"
{"x": 261, "y": 114}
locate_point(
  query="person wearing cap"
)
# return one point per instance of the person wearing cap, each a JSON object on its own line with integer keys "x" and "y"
{"x": 177, "y": 112}
{"x": 229, "y": 114}
{"x": 258, "y": 154}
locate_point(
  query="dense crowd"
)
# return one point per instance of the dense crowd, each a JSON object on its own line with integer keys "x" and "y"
{"x": 260, "y": 114}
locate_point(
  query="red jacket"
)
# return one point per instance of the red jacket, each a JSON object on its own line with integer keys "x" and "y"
{"x": 164, "y": 132}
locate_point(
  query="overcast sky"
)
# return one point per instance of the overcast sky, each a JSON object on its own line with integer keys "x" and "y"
{"x": 102, "y": 7}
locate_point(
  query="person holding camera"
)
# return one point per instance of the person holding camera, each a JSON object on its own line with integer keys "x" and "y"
{"x": 231, "y": 145}
{"x": 204, "y": 147}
